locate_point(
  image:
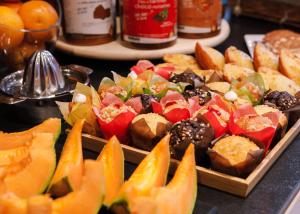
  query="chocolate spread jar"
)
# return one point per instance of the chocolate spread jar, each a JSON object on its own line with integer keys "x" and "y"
{"x": 148, "y": 24}
{"x": 199, "y": 18}
{"x": 89, "y": 22}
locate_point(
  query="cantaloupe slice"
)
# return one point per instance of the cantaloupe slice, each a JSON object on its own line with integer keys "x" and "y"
{"x": 85, "y": 200}
{"x": 12, "y": 204}
{"x": 14, "y": 156}
{"x": 13, "y": 160}
{"x": 113, "y": 161}
{"x": 151, "y": 172}
{"x": 89, "y": 197}
{"x": 68, "y": 174}
{"x": 178, "y": 197}
{"x": 16, "y": 139}
{"x": 35, "y": 176}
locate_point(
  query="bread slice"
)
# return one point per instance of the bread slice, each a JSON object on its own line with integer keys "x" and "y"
{"x": 275, "y": 81}
{"x": 221, "y": 87}
{"x": 277, "y": 40}
{"x": 181, "y": 62}
{"x": 238, "y": 57}
{"x": 210, "y": 75}
{"x": 236, "y": 72}
{"x": 263, "y": 57}
{"x": 179, "y": 59}
{"x": 209, "y": 58}
{"x": 289, "y": 65}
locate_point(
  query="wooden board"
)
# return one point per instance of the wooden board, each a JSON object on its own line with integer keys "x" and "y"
{"x": 237, "y": 186}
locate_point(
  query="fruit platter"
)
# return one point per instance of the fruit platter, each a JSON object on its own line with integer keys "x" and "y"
{"x": 74, "y": 185}
{"x": 239, "y": 113}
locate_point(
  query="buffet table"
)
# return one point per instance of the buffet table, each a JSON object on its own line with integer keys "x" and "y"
{"x": 275, "y": 191}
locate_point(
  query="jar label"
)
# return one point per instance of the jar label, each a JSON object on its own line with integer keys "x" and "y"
{"x": 149, "y": 21}
{"x": 199, "y": 16}
{"x": 91, "y": 17}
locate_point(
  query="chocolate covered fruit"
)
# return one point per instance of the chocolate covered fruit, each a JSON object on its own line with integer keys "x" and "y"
{"x": 147, "y": 129}
{"x": 68, "y": 174}
{"x": 235, "y": 155}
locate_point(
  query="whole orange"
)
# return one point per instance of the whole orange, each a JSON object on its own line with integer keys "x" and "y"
{"x": 15, "y": 5}
{"x": 11, "y": 25}
{"x": 39, "y": 15}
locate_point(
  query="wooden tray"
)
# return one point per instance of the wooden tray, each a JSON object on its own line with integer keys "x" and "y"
{"x": 237, "y": 186}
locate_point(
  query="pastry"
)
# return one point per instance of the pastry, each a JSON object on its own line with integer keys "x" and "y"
{"x": 235, "y": 155}
{"x": 146, "y": 102}
{"x": 202, "y": 93}
{"x": 247, "y": 122}
{"x": 219, "y": 87}
{"x": 189, "y": 77}
{"x": 280, "y": 100}
{"x": 209, "y": 58}
{"x": 235, "y": 72}
{"x": 275, "y": 81}
{"x": 238, "y": 57}
{"x": 197, "y": 131}
{"x": 147, "y": 129}
{"x": 182, "y": 62}
{"x": 282, "y": 39}
{"x": 264, "y": 57}
{"x": 282, "y": 121}
{"x": 289, "y": 65}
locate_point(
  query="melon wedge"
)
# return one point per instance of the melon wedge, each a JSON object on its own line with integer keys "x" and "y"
{"x": 13, "y": 160}
{"x": 14, "y": 156}
{"x": 34, "y": 176}
{"x": 89, "y": 197}
{"x": 85, "y": 200}
{"x": 178, "y": 197}
{"x": 16, "y": 139}
{"x": 113, "y": 162}
{"x": 12, "y": 204}
{"x": 151, "y": 172}
{"x": 68, "y": 174}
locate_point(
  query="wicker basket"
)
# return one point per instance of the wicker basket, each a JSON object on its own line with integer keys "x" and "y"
{"x": 279, "y": 11}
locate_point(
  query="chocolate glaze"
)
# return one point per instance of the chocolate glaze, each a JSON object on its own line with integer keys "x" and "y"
{"x": 203, "y": 94}
{"x": 189, "y": 77}
{"x": 281, "y": 100}
{"x": 197, "y": 131}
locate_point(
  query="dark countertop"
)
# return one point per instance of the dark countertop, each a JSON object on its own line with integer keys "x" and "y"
{"x": 271, "y": 195}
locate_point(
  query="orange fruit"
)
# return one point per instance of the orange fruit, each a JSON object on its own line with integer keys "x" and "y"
{"x": 15, "y": 6}
{"x": 39, "y": 15}
{"x": 11, "y": 25}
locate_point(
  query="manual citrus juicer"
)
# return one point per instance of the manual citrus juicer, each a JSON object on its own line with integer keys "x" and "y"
{"x": 41, "y": 82}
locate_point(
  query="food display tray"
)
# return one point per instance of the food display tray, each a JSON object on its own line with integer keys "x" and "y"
{"x": 234, "y": 185}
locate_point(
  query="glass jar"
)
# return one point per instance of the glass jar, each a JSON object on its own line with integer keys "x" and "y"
{"x": 148, "y": 24}
{"x": 199, "y": 18}
{"x": 89, "y": 22}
